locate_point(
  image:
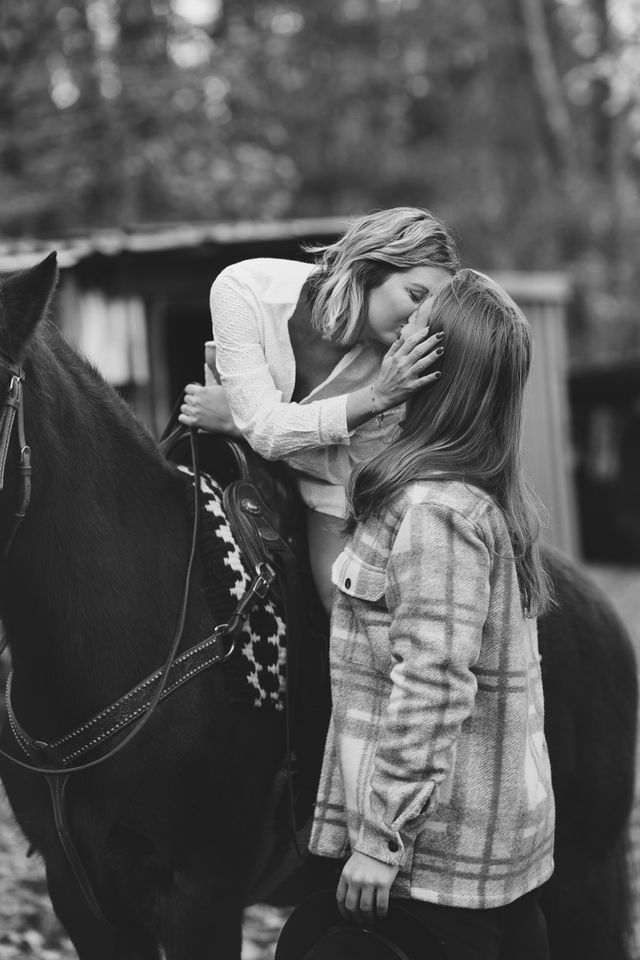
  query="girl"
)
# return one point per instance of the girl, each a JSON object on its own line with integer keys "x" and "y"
{"x": 312, "y": 365}
{"x": 436, "y": 777}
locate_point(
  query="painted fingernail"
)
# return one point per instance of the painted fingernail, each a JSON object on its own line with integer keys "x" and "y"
{"x": 439, "y": 351}
{"x": 438, "y": 374}
{"x": 440, "y": 335}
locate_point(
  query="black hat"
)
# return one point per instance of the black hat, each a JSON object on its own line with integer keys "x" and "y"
{"x": 316, "y": 931}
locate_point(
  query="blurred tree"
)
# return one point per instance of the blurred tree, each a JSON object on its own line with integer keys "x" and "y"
{"x": 519, "y": 123}
{"x": 586, "y": 105}
{"x": 31, "y": 159}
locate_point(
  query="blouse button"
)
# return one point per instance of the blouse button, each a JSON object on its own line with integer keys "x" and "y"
{"x": 347, "y": 583}
{"x": 393, "y": 846}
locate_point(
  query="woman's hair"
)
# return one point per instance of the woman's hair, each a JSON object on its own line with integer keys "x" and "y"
{"x": 468, "y": 424}
{"x": 372, "y": 248}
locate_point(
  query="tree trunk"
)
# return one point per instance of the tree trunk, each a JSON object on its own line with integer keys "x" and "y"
{"x": 557, "y": 123}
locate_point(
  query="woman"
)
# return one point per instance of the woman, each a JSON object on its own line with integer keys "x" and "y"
{"x": 313, "y": 363}
{"x": 436, "y": 779}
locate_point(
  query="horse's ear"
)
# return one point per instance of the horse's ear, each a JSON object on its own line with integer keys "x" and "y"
{"x": 24, "y": 299}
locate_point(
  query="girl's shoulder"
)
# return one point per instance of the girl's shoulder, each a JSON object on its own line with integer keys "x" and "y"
{"x": 374, "y": 537}
{"x": 262, "y": 273}
{"x": 450, "y": 496}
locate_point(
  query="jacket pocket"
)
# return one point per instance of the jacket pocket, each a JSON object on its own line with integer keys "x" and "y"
{"x": 360, "y": 626}
{"x": 358, "y": 579}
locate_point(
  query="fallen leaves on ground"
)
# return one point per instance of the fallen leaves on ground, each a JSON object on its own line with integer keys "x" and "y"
{"x": 29, "y": 928}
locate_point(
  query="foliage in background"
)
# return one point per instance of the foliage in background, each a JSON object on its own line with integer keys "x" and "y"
{"x": 517, "y": 121}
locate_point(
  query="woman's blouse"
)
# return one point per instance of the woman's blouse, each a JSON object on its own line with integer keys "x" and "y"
{"x": 251, "y": 304}
{"x": 436, "y": 758}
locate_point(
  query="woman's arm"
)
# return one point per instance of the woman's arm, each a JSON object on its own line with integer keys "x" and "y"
{"x": 273, "y": 428}
{"x": 277, "y": 429}
{"x": 206, "y": 407}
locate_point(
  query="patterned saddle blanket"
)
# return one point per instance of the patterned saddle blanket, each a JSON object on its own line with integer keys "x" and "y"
{"x": 256, "y": 676}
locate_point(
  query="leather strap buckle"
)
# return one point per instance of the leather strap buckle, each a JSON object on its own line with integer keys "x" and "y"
{"x": 265, "y": 575}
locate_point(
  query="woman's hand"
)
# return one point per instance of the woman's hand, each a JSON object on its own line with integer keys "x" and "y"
{"x": 363, "y": 889}
{"x": 207, "y": 408}
{"x": 404, "y": 366}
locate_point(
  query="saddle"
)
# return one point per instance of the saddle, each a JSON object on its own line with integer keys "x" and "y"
{"x": 267, "y": 518}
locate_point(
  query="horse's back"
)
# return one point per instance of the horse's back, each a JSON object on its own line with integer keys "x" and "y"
{"x": 591, "y": 702}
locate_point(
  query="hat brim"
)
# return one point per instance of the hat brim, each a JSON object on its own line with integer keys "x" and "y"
{"x": 318, "y": 914}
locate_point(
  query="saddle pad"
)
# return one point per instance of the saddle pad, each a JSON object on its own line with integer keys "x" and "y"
{"x": 256, "y": 675}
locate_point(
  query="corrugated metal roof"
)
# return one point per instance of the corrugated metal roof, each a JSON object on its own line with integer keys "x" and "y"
{"x": 19, "y": 254}
{"x": 545, "y": 287}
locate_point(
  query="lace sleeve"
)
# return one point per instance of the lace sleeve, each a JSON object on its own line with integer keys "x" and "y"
{"x": 274, "y": 428}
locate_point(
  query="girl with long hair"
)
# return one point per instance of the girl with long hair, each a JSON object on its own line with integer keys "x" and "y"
{"x": 436, "y": 782}
{"x": 312, "y": 364}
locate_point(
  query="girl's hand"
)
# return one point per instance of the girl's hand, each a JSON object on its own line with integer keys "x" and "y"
{"x": 207, "y": 408}
{"x": 404, "y": 366}
{"x": 363, "y": 889}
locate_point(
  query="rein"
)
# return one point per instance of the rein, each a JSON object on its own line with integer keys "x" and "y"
{"x": 36, "y": 748}
{"x": 51, "y": 760}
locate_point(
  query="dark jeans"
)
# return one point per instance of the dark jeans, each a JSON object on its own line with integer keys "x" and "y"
{"x": 517, "y": 931}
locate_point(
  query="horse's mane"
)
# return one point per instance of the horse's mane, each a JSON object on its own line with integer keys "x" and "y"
{"x": 55, "y": 370}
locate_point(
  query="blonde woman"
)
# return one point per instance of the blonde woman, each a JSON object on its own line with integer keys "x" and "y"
{"x": 436, "y": 782}
{"x": 315, "y": 360}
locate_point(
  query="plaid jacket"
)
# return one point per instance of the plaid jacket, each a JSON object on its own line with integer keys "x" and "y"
{"x": 436, "y": 758}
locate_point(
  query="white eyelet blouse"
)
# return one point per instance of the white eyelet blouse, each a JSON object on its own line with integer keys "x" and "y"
{"x": 251, "y": 304}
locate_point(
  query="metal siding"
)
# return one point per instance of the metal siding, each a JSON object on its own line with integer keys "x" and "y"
{"x": 547, "y": 444}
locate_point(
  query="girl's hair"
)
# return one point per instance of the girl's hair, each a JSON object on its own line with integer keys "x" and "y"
{"x": 468, "y": 424}
{"x": 373, "y": 247}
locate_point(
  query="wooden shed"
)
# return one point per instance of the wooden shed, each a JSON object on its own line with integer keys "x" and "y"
{"x": 136, "y": 303}
{"x": 544, "y": 298}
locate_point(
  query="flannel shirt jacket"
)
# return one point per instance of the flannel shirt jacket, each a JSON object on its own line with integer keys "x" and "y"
{"x": 436, "y": 758}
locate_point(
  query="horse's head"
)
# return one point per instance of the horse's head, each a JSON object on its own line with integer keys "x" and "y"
{"x": 24, "y": 299}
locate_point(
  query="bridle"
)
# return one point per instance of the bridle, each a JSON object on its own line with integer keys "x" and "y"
{"x": 12, "y": 413}
{"x": 57, "y": 776}
{"x": 216, "y": 649}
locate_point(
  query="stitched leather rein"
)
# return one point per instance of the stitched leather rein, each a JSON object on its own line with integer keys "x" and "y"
{"x": 139, "y": 703}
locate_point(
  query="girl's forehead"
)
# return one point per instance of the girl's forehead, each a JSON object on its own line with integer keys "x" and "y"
{"x": 439, "y": 285}
{"x": 426, "y": 306}
{"x": 421, "y": 275}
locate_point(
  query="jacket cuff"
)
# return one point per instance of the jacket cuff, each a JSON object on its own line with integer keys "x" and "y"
{"x": 333, "y": 420}
{"x": 381, "y": 843}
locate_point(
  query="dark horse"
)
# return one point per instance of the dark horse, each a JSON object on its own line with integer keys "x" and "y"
{"x": 168, "y": 829}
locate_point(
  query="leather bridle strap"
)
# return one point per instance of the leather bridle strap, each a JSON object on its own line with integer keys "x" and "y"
{"x": 213, "y": 651}
{"x": 57, "y": 787}
{"x": 14, "y": 410}
{"x": 13, "y": 406}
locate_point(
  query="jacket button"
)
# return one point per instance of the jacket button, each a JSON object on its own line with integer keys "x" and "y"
{"x": 393, "y": 846}
{"x": 347, "y": 583}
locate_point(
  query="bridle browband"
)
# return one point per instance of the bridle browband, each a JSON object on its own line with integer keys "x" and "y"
{"x": 12, "y": 413}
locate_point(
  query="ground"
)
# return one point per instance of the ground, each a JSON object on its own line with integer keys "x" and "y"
{"x": 29, "y": 929}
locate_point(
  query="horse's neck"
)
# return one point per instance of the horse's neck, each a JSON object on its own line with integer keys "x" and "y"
{"x": 93, "y": 579}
